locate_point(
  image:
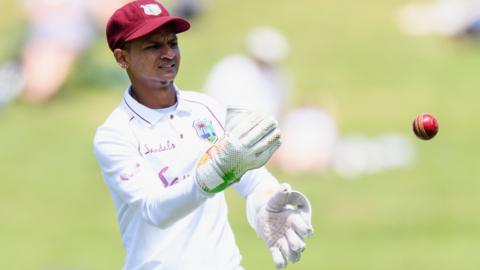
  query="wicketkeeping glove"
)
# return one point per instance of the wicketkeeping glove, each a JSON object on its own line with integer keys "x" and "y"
{"x": 283, "y": 223}
{"x": 249, "y": 142}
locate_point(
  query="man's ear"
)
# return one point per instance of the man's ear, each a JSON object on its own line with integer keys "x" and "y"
{"x": 121, "y": 57}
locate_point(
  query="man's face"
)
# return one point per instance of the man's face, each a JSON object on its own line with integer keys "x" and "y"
{"x": 155, "y": 58}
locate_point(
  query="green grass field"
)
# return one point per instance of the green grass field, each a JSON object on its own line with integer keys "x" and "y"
{"x": 56, "y": 213}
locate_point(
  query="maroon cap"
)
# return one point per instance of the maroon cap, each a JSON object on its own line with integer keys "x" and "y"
{"x": 139, "y": 18}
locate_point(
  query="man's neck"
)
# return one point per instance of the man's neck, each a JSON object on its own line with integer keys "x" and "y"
{"x": 156, "y": 98}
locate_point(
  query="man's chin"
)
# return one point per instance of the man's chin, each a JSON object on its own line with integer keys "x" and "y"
{"x": 165, "y": 82}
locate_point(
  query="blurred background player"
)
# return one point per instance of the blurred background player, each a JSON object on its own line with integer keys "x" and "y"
{"x": 311, "y": 140}
{"x": 189, "y": 9}
{"x": 449, "y": 18}
{"x": 310, "y": 134}
{"x": 58, "y": 31}
{"x": 255, "y": 79}
{"x": 258, "y": 80}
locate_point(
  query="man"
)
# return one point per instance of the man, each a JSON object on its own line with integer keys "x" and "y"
{"x": 167, "y": 155}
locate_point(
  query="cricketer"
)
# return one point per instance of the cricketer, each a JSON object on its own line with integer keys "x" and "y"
{"x": 167, "y": 155}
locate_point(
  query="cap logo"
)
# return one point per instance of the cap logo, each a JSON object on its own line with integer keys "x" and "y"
{"x": 151, "y": 9}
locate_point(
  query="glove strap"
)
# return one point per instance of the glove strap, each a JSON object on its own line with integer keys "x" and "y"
{"x": 211, "y": 179}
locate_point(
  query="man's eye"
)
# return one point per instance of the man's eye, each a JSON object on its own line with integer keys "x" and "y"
{"x": 153, "y": 46}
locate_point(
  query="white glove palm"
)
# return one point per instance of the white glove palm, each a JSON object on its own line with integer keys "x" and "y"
{"x": 249, "y": 142}
{"x": 283, "y": 223}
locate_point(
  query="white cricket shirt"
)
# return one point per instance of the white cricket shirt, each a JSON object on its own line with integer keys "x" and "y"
{"x": 147, "y": 158}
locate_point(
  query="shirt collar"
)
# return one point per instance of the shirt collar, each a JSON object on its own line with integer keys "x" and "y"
{"x": 148, "y": 115}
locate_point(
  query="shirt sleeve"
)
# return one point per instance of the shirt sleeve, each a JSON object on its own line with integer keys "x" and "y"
{"x": 129, "y": 176}
{"x": 256, "y": 186}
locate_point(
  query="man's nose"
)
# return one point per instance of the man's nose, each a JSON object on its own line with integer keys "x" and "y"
{"x": 168, "y": 52}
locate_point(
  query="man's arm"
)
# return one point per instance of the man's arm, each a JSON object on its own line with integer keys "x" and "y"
{"x": 256, "y": 186}
{"x": 249, "y": 142}
{"x": 279, "y": 215}
{"x": 132, "y": 178}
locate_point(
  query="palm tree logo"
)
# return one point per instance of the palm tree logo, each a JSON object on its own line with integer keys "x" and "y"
{"x": 204, "y": 129}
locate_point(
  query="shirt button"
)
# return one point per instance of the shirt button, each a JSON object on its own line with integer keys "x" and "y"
{"x": 181, "y": 136}
{"x": 171, "y": 116}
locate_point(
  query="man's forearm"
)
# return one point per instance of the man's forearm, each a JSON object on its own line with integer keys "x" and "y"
{"x": 260, "y": 195}
{"x": 164, "y": 207}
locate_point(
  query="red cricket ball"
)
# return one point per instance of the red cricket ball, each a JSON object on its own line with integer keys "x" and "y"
{"x": 425, "y": 126}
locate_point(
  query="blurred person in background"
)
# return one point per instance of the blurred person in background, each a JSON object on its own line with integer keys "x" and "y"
{"x": 58, "y": 31}
{"x": 255, "y": 79}
{"x": 258, "y": 80}
{"x": 309, "y": 137}
{"x": 311, "y": 140}
{"x": 167, "y": 155}
{"x": 449, "y": 18}
{"x": 189, "y": 9}
{"x": 313, "y": 143}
